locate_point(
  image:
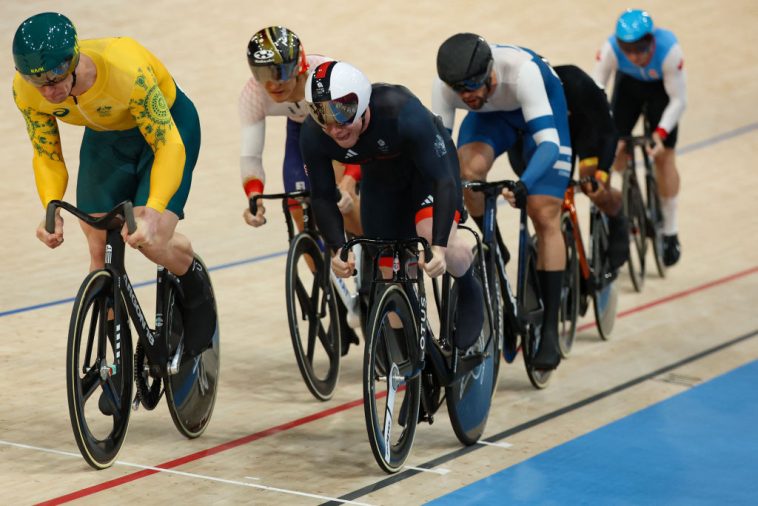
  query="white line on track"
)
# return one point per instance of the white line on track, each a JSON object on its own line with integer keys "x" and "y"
{"x": 189, "y": 475}
{"x": 440, "y": 470}
{"x": 500, "y": 445}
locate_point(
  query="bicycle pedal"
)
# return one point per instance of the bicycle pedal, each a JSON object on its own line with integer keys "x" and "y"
{"x": 173, "y": 365}
{"x": 136, "y": 403}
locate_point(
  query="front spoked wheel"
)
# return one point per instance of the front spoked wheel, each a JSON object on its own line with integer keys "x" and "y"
{"x": 391, "y": 379}
{"x": 634, "y": 208}
{"x": 190, "y": 392}
{"x": 313, "y": 316}
{"x": 99, "y": 371}
{"x": 568, "y": 312}
{"x": 469, "y": 398}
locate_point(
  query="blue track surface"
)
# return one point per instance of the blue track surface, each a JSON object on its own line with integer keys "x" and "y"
{"x": 699, "y": 447}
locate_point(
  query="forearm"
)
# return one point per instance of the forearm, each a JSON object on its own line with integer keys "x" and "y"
{"x": 166, "y": 175}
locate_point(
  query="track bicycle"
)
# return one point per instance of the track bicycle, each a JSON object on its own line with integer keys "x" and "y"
{"x": 316, "y": 317}
{"x": 643, "y": 209}
{"x": 408, "y": 369}
{"x": 100, "y": 357}
{"x": 522, "y": 313}
{"x": 588, "y": 273}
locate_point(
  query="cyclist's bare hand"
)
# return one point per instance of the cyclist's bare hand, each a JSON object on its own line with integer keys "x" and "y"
{"x": 56, "y": 238}
{"x": 437, "y": 265}
{"x": 343, "y": 269}
{"x": 345, "y": 203}
{"x": 259, "y": 218}
{"x": 657, "y": 147}
{"x": 147, "y": 220}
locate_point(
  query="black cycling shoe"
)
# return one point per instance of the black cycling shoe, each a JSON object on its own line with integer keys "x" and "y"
{"x": 618, "y": 241}
{"x": 348, "y": 337}
{"x": 671, "y": 250}
{"x": 198, "y": 309}
{"x": 548, "y": 355}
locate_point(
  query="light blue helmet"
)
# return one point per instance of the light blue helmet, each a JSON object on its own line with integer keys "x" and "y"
{"x": 633, "y": 24}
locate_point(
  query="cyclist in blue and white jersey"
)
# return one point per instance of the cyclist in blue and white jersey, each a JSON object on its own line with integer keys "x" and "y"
{"x": 511, "y": 91}
{"x": 648, "y": 63}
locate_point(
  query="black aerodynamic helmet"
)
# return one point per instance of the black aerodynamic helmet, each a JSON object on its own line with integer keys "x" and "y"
{"x": 464, "y": 61}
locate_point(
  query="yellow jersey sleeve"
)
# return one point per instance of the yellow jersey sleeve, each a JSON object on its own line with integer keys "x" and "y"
{"x": 50, "y": 173}
{"x": 151, "y": 113}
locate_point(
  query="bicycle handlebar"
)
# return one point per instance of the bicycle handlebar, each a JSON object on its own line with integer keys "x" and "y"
{"x": 633, "y": 141}
{"x": 273, "y": 196}
{"x": 399, "y": 243}
{"x": 115, "y": 218}
{"x": 490, "y": 187}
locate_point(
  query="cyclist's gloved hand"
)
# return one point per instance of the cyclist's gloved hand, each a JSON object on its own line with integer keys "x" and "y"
{"x": 517, "y": 196}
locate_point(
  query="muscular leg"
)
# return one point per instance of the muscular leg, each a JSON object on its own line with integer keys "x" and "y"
{"x": 169, "y": 249}
{"x": 476, "y": 159}
{"x": 459, "y": 253}
{"x": 668, "y": 185}
{"x": 668, "y": 189}
{"x": 545, "y": 212}
{"x": 470, "y": 310}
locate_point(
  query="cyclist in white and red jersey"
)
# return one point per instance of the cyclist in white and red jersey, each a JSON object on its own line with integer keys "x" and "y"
{"x": 277, "y": 88}
{"x": 648, "y": 63}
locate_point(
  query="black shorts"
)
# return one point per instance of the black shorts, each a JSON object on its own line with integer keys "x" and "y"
{"x": 630, "y": 95}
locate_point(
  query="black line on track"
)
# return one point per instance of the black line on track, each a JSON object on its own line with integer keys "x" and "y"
{"x": 404, "y": 475}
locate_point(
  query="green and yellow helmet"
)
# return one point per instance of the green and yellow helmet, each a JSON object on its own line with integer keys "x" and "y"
{"x": 275, "y": 54}
{"x": 46, "y": 48}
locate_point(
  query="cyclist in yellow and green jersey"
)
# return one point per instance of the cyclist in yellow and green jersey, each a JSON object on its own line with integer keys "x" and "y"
{"x": 141, "y": 142}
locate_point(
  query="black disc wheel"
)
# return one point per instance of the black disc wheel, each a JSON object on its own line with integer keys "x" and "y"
{"x": 313, "y": 316}
{"x": 391, "y": 379}
{"x": 99, "y": 371}
{"x": 470, "y": 396}
{"x": 191, "y": 391}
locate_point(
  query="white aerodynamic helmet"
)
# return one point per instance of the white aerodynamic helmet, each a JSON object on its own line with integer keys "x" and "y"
{"x": 337, "y": 93}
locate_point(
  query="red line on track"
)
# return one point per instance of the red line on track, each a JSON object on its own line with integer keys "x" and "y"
{"x": 78, "y": 494}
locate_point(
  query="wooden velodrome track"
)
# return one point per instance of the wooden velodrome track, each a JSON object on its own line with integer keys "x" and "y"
{"x": 269, "y": 441}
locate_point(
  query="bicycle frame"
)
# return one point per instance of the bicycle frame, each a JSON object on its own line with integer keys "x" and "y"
{"x": 112, "y": 222}
{"x": 570, "y": 207}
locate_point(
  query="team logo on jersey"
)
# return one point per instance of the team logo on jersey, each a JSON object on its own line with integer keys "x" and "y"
{"x": 439, "y": 146}
{"x": 382, "y": 146}
{"x": 652, "y": 73}
{"x": 59, "y": 113}
{"x": 104, "y": 110}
